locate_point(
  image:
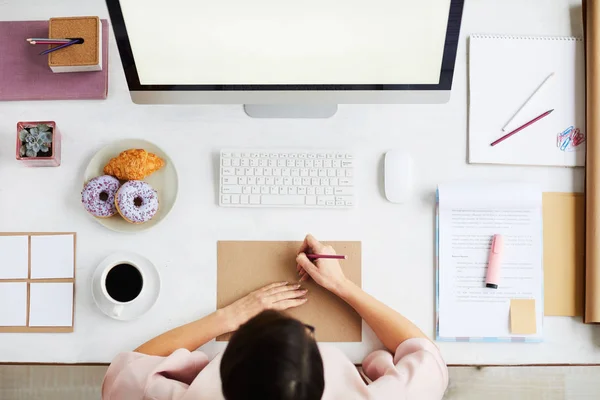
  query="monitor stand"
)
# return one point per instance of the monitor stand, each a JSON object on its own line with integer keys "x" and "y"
{"x": 290, "y": 110}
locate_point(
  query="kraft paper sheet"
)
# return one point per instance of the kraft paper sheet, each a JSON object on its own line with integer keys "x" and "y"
{"x": 592, "y": 179}
{"x": 245, "y": 266}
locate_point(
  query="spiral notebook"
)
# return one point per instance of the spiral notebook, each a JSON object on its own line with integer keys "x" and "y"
{"x": 504, "y": 71}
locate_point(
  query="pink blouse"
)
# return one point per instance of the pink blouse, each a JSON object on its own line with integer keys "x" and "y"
{"x": 416, "y": 371}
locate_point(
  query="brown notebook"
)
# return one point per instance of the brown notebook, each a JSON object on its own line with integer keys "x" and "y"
{"x": 243, "y": 267}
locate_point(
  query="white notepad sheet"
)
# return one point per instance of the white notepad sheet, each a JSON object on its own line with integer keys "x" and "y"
{"x": 51, "y": 304}
{"x": 503, "y": 73}
{"x": 13, "y": 303}
{"x": 52, "y": 256}
{"x": 14, "y": 263}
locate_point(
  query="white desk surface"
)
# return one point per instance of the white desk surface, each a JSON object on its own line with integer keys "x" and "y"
{"x": 398, "y": 240}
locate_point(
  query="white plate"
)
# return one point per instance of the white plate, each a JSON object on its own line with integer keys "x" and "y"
{"x": 144, "y": 302}
{"x": 164, "y": 181}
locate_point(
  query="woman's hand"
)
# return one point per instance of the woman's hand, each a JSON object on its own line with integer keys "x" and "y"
{"x": 326, "y": 272}
{"x": 276, "y": 296}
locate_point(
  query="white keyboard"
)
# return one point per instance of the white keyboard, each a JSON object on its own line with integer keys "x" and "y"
{"x": 286, "y": 178}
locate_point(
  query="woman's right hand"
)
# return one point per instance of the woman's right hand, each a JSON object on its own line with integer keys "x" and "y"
{"x": 326, "y": 272}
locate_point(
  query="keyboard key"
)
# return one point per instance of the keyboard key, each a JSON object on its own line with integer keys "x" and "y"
{"x": 302, "y": 190}
{"x": 319, "y": 190}
{"x": 227, "y": 162}
{"x": 340, "y": 172}
{"x": 300, "y": 163}
{"x": 331, "y": 172}
{"x": 349, "y": 172}
{"x": 340, "y": 203}
{"x": 254, "y": 199}
{"x": 330, "y": 155}
{"x": 249, "y": 171}
{"x": 321, "y": 155}
{"x": 311, "y": 200}
{"x": 229, "y": 180}
{"x": 258, "y": 171}
{"x": 242, "y": 180}
{"x": 324, "y": 182}
{"x": 318, "y": 163}
{"x": 235, "y": 155}
{"x": 309, "y": 164}
{"x": 264, "y": 190}
{"x": 281, "y": 163}
{"x": 339, "y": 155}
{"x": 302, "y": 155}
{"x": 225, "y": 155}
{"x": 323, "y": 172}
{"x": 239, "y": 171}
{"x": 235, "y": 199}
{"x": 343, "y": 191}
{"x": 323, "y": 200}
{"x": 330, "y": 202}
{"x": 333, "y": 182}
{"x": 312, "y": 156}
{"x": 244, "y": 199}
{"x": 283, "y": 190}
{"x": 231, "y": 189}
{"x": 282, "y": 200}
{"x": 327, "y": 164}
{"x": 349, "y": 156}
{"x": 251, "y": 180}
{"x": 226, "y": 199}
{"x": 244, "y": 162}
{"x": 336, "y": 163}
{"x": 273, "y": 190}
{"x": 279, "y": 181}
{"x": 292, "y": 190}
{"x": 304, "y": 172}
{"x": 273, "y": 155}
{"x": 329, "y": 191}
{"x": 297, "y": 181}
{"x": 286, "y": 172}
{"x": 287, "y": 181}
{"x": 272, "y": 163}
{"x": 315, "y": 181}
{"x": 276, "y": 171}
{"x": 255, "y": 189}
{"x": 290, "y": 162}
{"x": 313, "y": 172}
{"x": 305, "y": 181}
{"x": 263, "y": 163}
{"x": 254, "y": 162}
{"x": 245, "y": 155}
{"x": 311, "y": 191}
{"x": 227, "y": 171}
{"x": 254, "y": 155}
{"x": 268, "y": 171}
{"x": 345, "y": 182}
{"x": 270, "y": 181}
{"x": 347, "y": 164}
{"x": 295, "y": 172}
{"x": 235, "y": 162}
{"x": 246, "y": 190}
{"x": 261, "y": 180}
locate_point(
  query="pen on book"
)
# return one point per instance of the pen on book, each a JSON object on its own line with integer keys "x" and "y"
{"x": 325, "y": 256}
{"x": 503, "y": 138}
{"x": 531, "y": 96}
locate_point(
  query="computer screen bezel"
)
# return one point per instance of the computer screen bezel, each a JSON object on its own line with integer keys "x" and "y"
{"x": 445, "y": 82}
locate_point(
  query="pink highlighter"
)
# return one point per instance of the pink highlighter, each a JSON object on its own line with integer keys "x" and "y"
{"x": 494, "y": 262}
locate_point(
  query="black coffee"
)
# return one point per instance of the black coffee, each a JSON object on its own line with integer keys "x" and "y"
{"x": 124, "y": 282}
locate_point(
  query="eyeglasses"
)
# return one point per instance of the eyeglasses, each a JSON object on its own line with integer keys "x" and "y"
{"x": 311, "y": 329}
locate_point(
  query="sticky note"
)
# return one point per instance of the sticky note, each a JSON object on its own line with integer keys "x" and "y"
{"x": 52, "y": 256}
{"x": 13, "y": 304}
{"x": 522, "y": 317}
{"x": 51, "y": 304}
{"x": 15, "y": 257}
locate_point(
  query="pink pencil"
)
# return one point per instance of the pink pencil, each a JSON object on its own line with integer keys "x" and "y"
{"x": 333, "y": 257}
{"x": 521, "y": 127}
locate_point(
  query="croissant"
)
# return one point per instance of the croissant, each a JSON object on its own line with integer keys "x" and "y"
{"x": 133, "y": 164}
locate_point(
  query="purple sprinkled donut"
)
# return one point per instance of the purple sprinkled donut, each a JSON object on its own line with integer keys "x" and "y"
{"x": 137, "y": 202}
{"x": 98, "y": 196}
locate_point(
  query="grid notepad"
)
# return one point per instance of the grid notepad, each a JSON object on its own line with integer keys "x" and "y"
{"x": 37, "y": 282}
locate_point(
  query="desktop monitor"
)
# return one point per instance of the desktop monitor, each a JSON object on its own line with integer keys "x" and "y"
{"x": 301, "y": 54}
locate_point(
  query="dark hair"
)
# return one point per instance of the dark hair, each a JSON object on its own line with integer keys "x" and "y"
{"x": 272, "y": 357}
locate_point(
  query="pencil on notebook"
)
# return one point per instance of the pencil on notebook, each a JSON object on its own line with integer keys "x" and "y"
{"x": 329, "y": 256}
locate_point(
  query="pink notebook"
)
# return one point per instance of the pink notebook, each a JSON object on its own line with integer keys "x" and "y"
{"x": 25, "y": 75}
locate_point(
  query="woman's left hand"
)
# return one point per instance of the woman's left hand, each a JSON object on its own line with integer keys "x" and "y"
{"x": 276, "y": 296}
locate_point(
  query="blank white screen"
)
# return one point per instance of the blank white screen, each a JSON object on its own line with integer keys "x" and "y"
{"x": 287, "y": 42}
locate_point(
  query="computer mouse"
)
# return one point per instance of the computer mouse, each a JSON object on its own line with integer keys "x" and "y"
{"x": 398, "y": 178}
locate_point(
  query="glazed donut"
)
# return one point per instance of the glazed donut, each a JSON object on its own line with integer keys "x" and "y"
{"x": 98, "y": 196}
{"x": 137, "y": 202}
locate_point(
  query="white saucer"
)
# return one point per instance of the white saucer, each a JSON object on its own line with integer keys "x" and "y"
{"x": 164, "y": 181}
{"x": 144, "y": 302}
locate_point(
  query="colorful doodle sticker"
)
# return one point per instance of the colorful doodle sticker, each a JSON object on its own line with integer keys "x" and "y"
{"x": 570, "y": 139}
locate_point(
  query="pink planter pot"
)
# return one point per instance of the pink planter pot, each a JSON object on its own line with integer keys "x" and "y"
{"x": 53, "y": 160}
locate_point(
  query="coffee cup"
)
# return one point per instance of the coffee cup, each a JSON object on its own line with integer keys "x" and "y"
{"x": 121, "y": 284}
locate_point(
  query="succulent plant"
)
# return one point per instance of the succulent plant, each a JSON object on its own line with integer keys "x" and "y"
{"x": 35, "y": 139}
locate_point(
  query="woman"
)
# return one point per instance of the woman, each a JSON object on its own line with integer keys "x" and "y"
{"x": 274, "y": 357}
